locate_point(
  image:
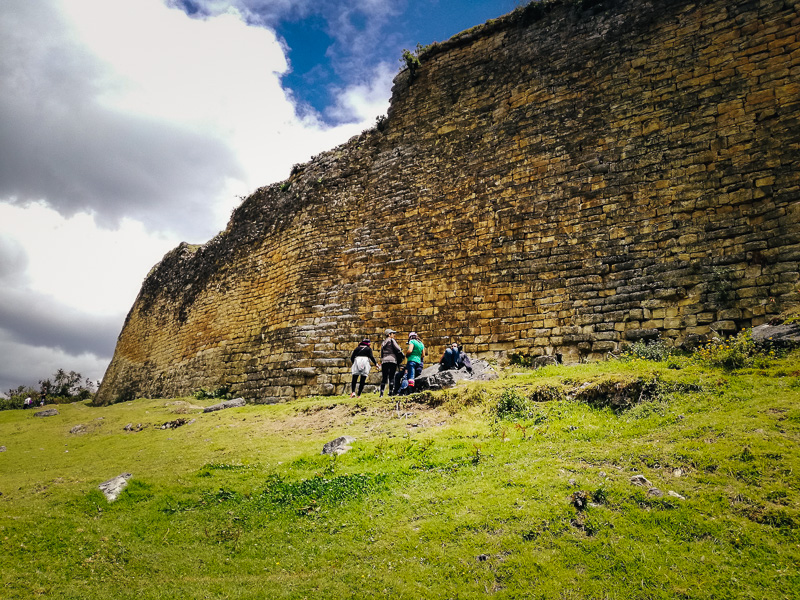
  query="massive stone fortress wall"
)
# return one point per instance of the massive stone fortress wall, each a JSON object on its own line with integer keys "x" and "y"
{"x": 566, "y": 179}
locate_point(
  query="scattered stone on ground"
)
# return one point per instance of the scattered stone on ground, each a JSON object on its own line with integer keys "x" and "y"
{"x": 654, "y": 492}
{"x": 434, "y": 379}
{"x": 2, "y": 448}
{"x": 675, "y": 495}
{"x": 113, "y": 487}
{"x": 130, "y": 427}
{"x": 176, "y": 423}
{"x": 677, "y": 472}
{"x": 777, "y": 336}
{"x": 78, "y": 429}
{"x": 483, "y": 557}
{"x": 641, "y": 480}
{"x": 226, "y": 404}
{"x": 338, "y": 446}
{"x": 580, "y": 499}
{"x": 50, "y": 412}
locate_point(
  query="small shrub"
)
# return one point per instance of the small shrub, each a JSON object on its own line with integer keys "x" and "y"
{"x": 656, "y": 350}
{"x": 735, "y": 352}
{"x": 512, "y": 405}
{"x": 222, "y": 392}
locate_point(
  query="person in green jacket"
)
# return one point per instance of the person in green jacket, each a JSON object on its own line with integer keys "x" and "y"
{"x": 415, "y": 356}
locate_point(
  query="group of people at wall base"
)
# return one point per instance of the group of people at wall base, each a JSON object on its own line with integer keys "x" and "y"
{"x": 399, "y": 380}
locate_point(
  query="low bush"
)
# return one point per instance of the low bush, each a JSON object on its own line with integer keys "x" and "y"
{"x": 512, "y": 404}
{"x": 736, "y": 352}
{"x": 656, "y": 350}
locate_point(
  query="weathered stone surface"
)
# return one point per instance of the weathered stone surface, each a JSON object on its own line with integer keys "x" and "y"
{"x": 113, "y": 487}
{"x": 545, "y": 184}
{"x": 226, "y": 404}
{"x": 543, "y": 361}
{"x": 641, "y": 480}
{"x": 338, "y": 446}
{"x": 777, "y": 336}
{"x": 78, "y": 429}
{"x": 177, "y": 423}
{"x": 49, "y": 412}
{"x": 434, "y": 379}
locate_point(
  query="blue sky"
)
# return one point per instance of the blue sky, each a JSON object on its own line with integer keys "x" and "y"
{"x": 332, "y": 44}
{"x": 128, "y": 127}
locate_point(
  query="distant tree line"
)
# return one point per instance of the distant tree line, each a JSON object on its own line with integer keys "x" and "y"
{"x": 63, "y": 387}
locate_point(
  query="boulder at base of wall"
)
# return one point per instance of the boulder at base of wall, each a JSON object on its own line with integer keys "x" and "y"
{"x": 434, "y": 379}
{"x": 227, "y": 404}
{"x": 777, "y": 336}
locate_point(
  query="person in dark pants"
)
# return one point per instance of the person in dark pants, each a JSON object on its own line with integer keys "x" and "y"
{"x": 415, "y": 355}
{"x": 391, "y": 357}
{"x": 449, "y": 358}
{"x": 361, "y": 357}
{"x": 463, "y": 360}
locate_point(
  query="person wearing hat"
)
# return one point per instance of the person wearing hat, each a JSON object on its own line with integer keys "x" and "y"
{"x": 391, "y": 356}
{"x": 415, "y": 355}
{"x": 361, "y": 357}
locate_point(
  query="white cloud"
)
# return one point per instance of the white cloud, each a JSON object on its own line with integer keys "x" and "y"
{"x": 365, "y": 101}
{"x": 88, "y": 268}
{"x": 126, "y": 125}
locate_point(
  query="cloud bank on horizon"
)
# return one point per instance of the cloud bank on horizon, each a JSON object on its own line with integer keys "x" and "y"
{"x": 130, "y": 126}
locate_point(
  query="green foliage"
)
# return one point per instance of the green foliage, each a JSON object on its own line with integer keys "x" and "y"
{"x": 223, "y": 392}
{"x": 63, "y": 387}
{"x": 656, "y": 350}
{"x": 720, "y": 284}
{"x": 735, "y": 352}
{"x": 310, "y": 495}
{"x": 512, "y": 404}
{"x": 412, "y": 59}
{"x": 16, "y": 397}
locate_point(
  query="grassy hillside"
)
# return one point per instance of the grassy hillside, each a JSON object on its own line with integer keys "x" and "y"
{"x": 519, "y": 488}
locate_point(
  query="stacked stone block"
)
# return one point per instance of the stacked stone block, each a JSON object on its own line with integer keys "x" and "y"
{"x": 567, "y": 179}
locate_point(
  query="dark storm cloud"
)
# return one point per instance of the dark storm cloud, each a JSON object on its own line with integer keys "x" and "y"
{"x": 30, "y": 318}
{"x": 58, "y": 144}
{"x": 33, "y": 319}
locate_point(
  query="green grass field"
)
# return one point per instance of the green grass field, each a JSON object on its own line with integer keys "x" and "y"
{"x": 439, "y": 497}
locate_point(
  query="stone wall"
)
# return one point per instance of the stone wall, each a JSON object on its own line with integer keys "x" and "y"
{"x": 566, "y": 179}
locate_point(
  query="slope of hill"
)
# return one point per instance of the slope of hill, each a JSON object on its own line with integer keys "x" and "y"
{"x": 520, "y": 488}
